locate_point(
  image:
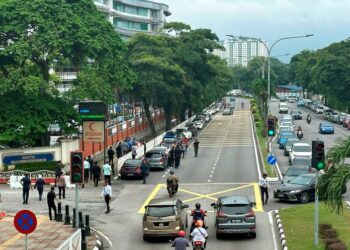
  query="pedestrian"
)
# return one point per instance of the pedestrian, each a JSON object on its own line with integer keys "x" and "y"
{"x": 264, "y": 186}
{"x": 86, "y": 170}
{"x": 107, "y": 170}
{"x": 110, "y": 153}
{"x": 96, "y": 171}
{"x": 144, "y": 171}
{"x": 125, "y": 147}
{"x": 39, "y": 185}
{"x": 180, "y": 243}
{"x": 196, "y": 146}
{"x": 177, "y": 155}
{"x": 171, "y": 156}
{"x": 107, "y": 193}
{"x": 51, "y": 197}
{"x": 58, "y": 172}
{"x": 119, "y": 150}
{"x": 26, "y": 184}
{"x": 134, "y": 151}
{"x": 91, "y": 161}
{"x": 61, "y": 184}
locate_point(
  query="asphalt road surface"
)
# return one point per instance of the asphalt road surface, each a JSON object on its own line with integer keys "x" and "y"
{"x": 226, "y": 165}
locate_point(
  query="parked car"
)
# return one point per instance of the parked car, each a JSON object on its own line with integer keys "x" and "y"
{"x": 164, "y": 217}
{"x": 208, "y": 117}
{"x": 346, "y": 120}
{"x": 287, "y": 118}
{"x": 301, "y": 103}
{"x": 157, "y": 157}
{"x": 131, "y": 168}
{"x": 284, "y": 137}
{"x": 289, "y": 144}
{"x": 334, "y": 116}
{"x": 296, "y": 114}
{"x": 286, "y": 129}
{"x": 341, "y": 118}
{"x": 327, "y": 113}
{"x": 300, "y": 188}
{"x": 301, "y": 161}
{"x": 319, "y": 109}
{"x": 291, "y": 99}
{"x": 234, "y": 215}
{"x": 326, "y": 128}
{"x": 294, "y": 171}
{"x": 299, "y": 150}
{"x": 227, "y": 111}
{"x": 198, "y": 124}
{"x": 183, "y": 132}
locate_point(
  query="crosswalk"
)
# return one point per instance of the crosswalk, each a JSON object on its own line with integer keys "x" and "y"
{"x": 228, "y": 131}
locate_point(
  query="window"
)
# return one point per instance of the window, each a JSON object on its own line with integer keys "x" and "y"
{"x": 161, "y": 211}
{"x": 128, "y": 9}
{"x": 130, "y": 25}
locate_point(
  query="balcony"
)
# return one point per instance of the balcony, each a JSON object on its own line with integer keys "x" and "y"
{"x": 67, "y": 76}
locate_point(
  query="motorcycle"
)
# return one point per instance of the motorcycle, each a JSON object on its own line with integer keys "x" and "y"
{"x": 172, "y": 190}
{"x": 193, "y": 225}
{"x": 198, "y": 245}
{"x": 300, "y": 135}
{"x": 308, "y": 120}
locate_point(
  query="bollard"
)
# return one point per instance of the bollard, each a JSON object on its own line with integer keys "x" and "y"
{"x": 83, "y": 239}
{"x": 74, "y": 218}
{"x": 81, "y": 222}
{"x": 87, "y": 225}
{"x": 67, "y": 217}
{"x": 59, "y": 212}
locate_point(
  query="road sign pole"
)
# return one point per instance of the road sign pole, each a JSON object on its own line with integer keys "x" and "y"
{"x": 316, "y": 209}
{"x": 76, "y": 205}
{"x": 26, "y": 242}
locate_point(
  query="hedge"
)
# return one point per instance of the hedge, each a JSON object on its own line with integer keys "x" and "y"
{"x": 36, "y": 166}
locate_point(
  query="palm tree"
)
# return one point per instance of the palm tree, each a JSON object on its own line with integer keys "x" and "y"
{"x": 332, "y": 183}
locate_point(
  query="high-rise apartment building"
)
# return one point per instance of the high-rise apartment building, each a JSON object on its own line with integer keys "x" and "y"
{"x": 239, "y": 51}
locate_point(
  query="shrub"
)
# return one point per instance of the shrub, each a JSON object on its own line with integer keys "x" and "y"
{"x": 336, "y": 246}
{"x": 323, "y": 227}
{"x": 253, "y": 110}
{"x": 36, "y": 166}
{"x": 330, "y": 234}
{"x": 331, "y": 241}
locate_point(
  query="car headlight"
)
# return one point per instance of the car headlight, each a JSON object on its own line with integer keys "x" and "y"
{"x": 295, "y": 191}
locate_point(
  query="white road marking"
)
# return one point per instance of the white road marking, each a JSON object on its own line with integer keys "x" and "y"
{"x": 273, "y": 230}
{"x": 255, "y": 149}
{"x": 104, "y": 236}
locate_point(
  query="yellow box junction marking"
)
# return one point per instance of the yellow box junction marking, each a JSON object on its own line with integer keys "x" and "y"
{"x": 257, "y": 195}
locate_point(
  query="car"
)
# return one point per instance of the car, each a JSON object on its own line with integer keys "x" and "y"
{"x": 183, "y": 132}
{"x": 164, "y": 217}
{"x": 284, "y": 137}
{"x": 227, "y": 111}
{"x": 301, "y": 103}
{"x": 296, "y": 114}
{"x": 286, "y": 129}
{"x": 346, "y": 121}
{"x": 283, "y": 108}
{"x": 200, "y": 118}
{"x": 300, "y": 188}
{"x": 301, "y": 161}
{"x": 283, "y": 99}
{"x": 289, "y": 144}
{"x": 294, "y": 171}
{"x": 131, "y": 168}
{"x": 287, "y": 118}
{"x": 334, "y": 116}
{"x": 208, "y": 117}
{"x": 287, "y": 124}
{"x": 326, "y": 128}
{"x": 273, "y": 99}
{"x": 291, "y": 99}
{"x": 327, "y": 113}
{"x": 341, "y": 118}
{"x": 191, "y": 127}
{"x": 157, "y": 157}
{"x": 234, "y": 215}
{"x": 319, "y": 109}
{"x": 198, "y": 124}
{"x": 299, "y": 149}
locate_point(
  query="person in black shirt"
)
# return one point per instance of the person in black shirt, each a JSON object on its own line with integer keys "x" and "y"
{"x": 51, "y": 197}
{"x": 96, "y": 172}
{"x": 91, "y": 161}
{"x": 119, "y": 150}
{"x": 39, "y": 184}
{"x": 25, "y": 182}
{"x": 110, "y": 153}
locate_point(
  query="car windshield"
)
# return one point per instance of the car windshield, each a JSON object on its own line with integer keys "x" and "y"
{"x": 161, "y": 211}
{"x": 290, "y": 142}
{"x": 153, "y": 155}
{"x": 169, "y": 139}
{"x": 327, "y": 125}
{"x": 179, "y": 130}
{"x": 302, "y": 149}
{"x": 235, "y": 209}
{"x": 132, "y": 163}
{"x": 302, "y": 161}
{"x": 296, "y": 171}
{"x": 302, "y": 180}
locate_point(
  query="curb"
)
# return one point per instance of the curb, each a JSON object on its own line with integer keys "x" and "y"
{"x": 280, "y": 229}
{"x": 99, "y": 244}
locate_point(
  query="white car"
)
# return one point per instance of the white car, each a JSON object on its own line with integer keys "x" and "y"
{"x": 198, "y": 124}
{"x": 287, "y": 124}
{"x": 273, "y": 99}
{"x": 184, "y": 131}
{"x": 283, "y": 108}
{"x": 300, "y": 150}
{"x": 319, "y": 110}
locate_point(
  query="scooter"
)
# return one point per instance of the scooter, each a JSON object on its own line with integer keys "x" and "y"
{"x": 198, "y": 245}
{"x": 172, "y": 190}
{"x": 300, "y": 135}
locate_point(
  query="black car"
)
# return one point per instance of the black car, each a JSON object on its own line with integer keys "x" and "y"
{"x": 294, "y": 171}
{"x": 132, "y": 168}
{"x": 296, "y": 114}
{"x": 300, "y": 188}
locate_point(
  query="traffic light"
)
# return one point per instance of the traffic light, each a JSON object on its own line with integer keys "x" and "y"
{"x": 271, "y": 126}
{"x": 76, "y": 167}
{"x": 318, "y": 157}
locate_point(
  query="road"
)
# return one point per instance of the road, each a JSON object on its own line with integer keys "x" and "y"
{"x": 226, "y": 165}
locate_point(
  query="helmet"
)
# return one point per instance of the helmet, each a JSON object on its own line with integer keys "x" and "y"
{"x": 181, "y": 233}
{"x": 172, "y": 171}
{"x": 198, "y": 205}
{"x": 199, "y": 223}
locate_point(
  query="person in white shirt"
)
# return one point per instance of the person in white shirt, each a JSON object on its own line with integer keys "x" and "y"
{"x": 134, "y": 151}
{"x": 199, "y": 233}
{"x": 107, "y": 171}
{"x": 86, "y": 170}
{"x": 264, "y": 186}
{"x": 107, "y": 193}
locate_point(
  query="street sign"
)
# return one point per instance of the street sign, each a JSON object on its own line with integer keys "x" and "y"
{"x": 271, "y": 159}
{"x": 25, "y": 221}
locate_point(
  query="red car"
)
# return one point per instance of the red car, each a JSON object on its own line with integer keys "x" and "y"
{"x": 346, "y": 121}
{"x": 131, "y": 168}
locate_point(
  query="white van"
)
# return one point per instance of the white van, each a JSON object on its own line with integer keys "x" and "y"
{"x": 283, "y": 108}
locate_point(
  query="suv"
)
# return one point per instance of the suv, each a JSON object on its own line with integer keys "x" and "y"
{"x": 299, "y": 150}
{"x": 234, "y": 215}
{"x": 157, "y": 157}
{"x": 164, "y": 218}
{"x": 283, "y": 108}
{"x": 131, "y": 168}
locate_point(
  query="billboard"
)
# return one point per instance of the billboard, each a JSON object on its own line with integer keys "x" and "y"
{"x": 93, "y": 111}
{"x": 93, "y": 131}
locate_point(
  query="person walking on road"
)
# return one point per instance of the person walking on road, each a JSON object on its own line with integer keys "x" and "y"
{"x": 125, "y": 147}
{"x": 26, "y": 184}
{"x": 171, "y": 156}
{"x": 110, "y": 153}
{"x": 39, "y": 185}
{"x": 144, "y": 171}
{"x": 119, "y": 150}
{"x": 177, "y": 155}
{"x": 196, "y": 146}
{"x": 61, "y": 184}
{"x": 51, "y": 197}
{"x": 96, "y": 172}
{"x": 91, "y": 161}
{"x": 107, "y": 171}
{"x": 107, "y": 193}
{"x": 134, "y": 151}
{"x": 180, "y": 243}
{"x": 86, "y": 170}
{"x": 264, "y": 189}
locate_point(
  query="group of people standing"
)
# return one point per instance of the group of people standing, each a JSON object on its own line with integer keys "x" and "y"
{"x": 179, "y": 150}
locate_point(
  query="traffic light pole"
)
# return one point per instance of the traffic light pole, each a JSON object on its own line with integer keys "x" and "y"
{"x": 76, "y": 205}
{"x": 316, "y": 209}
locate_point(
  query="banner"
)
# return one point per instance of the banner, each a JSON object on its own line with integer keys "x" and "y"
{"x": 93, "y": 131}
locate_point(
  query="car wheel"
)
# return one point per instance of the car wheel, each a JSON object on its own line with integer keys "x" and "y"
{"x": 218, "y": 235}
{"x": 253, "y": 235}
{"x": 304, "y": 197}
{"x": 145, "y": 238}
{"x": 122, "y": 177}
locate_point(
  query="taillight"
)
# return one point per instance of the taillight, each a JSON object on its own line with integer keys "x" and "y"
{"x": 221, "y": 214}
{"x": 250, "y": 213}
{"x": 161, "y": 160}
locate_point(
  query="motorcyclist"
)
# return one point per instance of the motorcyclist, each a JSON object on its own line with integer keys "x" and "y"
{"x": 199, "y": 233}
{"x": 197, "y": 214}
{"x": 180, "y": 242}
{"x": 172, "y": 182}
{"x": 308, "y": 118}
{"x": 299, "y": 132}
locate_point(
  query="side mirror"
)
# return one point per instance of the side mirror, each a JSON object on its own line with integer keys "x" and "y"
{"x": 253, "y": 204}
{"x": 184, "y": 206}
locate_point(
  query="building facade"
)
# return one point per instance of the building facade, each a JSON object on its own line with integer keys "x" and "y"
{"x": 289, "y": 91}
{"x": 239, "y": 51}
{"x": 132, "y": 16}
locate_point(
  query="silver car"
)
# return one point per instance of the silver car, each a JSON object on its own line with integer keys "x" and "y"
{"x": 157, "y": 157}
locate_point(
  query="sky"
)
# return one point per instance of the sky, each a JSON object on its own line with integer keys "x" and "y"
{"x": 328, "y": 20}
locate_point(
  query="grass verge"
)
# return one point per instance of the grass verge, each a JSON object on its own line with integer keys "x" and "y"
{"x": 298, "y": 224}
